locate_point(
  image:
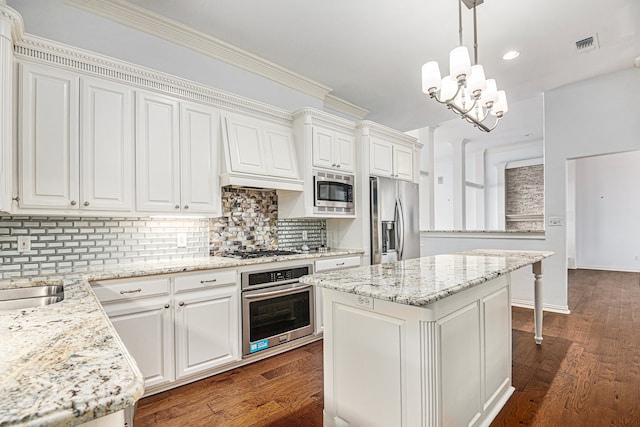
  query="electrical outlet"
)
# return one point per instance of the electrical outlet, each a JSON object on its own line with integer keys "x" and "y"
{"x": 304, "y": 235}
{"x": 24, "y": 243}
{"x": 554, "y": 221}
{"x": 182, "y": 240}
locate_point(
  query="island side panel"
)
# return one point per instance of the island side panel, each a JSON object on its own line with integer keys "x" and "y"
{"x": 394, "y": 364}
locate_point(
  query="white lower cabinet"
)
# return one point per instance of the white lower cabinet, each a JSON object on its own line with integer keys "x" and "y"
{"x": 207, "y": 331}
{"x": 327, "y": 265}
{"x": 146, "y": 328}
{"x": 175, "y": 327}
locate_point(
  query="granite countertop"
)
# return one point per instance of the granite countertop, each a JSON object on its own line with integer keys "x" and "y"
{"x": 64, "y": 364}
{"x": 422, "y": 281}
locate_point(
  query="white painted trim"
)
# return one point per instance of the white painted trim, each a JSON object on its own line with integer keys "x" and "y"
{"x": 517, "y": 146}
{"x": 602, "y": 268}
{"x": 525, "y": 162}
{"x": 474, "y": 185}
{"x": 562, "y": 309}
{"x": 40, "y": 50}
{"x": 339, "y": 104}
{"x": 481, "y": 234}
{"x": 131, "y": 15}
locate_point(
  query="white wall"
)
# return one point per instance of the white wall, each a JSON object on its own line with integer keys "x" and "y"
{"x": 443, "y": 186}
{"x": 55, "y": 20}
{"x": 576, "y": 125}
{"x": 607, "y": 197}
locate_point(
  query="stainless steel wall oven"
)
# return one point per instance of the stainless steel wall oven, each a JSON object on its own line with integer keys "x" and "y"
{"x": 276, "y": 308}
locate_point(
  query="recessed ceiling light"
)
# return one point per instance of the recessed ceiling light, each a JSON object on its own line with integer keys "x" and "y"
{"x": 512, "y": 54}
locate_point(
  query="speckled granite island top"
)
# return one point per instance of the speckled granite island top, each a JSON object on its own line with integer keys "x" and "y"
{"x": 64, "y": 364}
{"x": 422, "y": 281}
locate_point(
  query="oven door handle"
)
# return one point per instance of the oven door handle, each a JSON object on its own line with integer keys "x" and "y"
{"x": 275, "y": 293}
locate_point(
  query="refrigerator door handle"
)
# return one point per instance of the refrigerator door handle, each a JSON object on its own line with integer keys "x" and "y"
{"x": 400, "y": 229}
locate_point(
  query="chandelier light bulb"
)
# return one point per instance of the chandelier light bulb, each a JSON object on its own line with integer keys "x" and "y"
{"x": 476, "y": 81}
{"x": 459, "y": 63}
{"x": 431, "y": 78}
{"x": 500, "y": 106}
{"x": 448, "y": 88}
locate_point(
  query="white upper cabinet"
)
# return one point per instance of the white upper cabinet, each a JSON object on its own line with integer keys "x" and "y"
{"x": 332, "y": 150}
{"x": 157, "y": 153}
{"x": 49, "y": 148}
{"x": 106, "y": 147}
{"x": 77, "y": 142}
{"x": 259, "y": 154}
{"x": 200, "y": 130}
{"x": 390, "y": 159}
{"x": 177, "y": 156}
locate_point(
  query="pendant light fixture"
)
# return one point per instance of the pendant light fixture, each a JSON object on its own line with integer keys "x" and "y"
{"x": 465, "y": 91}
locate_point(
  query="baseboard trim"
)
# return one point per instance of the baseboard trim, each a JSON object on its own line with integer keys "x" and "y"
{"x": 562, "y": 309}
{"x": 597, "y": 267}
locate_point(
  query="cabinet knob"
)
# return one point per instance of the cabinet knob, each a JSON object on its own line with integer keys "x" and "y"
{"x": 86, "y": 203}
{"x": 337, "y": 165}
{"x": 333, "y": 165}
{"x": 73, "y": 203}
{"x": 181, "y": 303}
{"x": 167, "y": 306}
{"x": 186, "y": 206}
{"x": 177, "y": 206}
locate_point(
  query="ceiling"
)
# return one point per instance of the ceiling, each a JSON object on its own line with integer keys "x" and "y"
{"x": 370, "y": 51}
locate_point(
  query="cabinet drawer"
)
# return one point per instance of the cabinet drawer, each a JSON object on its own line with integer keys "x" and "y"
{"x": 204, "y": 280}
{"x": 128, "y": 289}
{"x": 336, "y": 263}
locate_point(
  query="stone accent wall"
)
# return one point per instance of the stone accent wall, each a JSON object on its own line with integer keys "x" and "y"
{"x": 250, "y": 221}
{"x": 524, "y": 198}
{"x": 60, "y": 244}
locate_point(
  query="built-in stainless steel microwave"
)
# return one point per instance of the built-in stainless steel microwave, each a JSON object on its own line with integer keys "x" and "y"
{"x": 333, "y": 193}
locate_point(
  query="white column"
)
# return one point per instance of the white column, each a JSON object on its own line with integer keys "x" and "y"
{"x": 459, "y": 185}
{"x": 426, "y": 137}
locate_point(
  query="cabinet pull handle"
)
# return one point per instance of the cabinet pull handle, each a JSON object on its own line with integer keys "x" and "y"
{"x": 73, "y": 203}
{"x": 122, "y": 292}
{"x": 17, "y": 198}
{"x": 86, "y": 203}
{"x": 167, "y": 306}
{"x": 181, "y": 303}
{"x": 177, "y": 206}
{"x": 205, "y": 282}
{"x": 333, "y": 164}
{"x": 337, "y": 165}
{"x": 186, "y": 206}
{"x": 339, "y": 263}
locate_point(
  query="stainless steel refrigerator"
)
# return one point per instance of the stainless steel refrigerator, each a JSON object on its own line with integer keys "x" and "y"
{"x": 395, "y": 233}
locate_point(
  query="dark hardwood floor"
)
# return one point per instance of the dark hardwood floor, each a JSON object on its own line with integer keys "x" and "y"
{"x": 586, "y": 372}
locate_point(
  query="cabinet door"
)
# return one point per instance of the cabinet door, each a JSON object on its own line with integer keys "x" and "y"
{"x": 207, "y": 329}
{"x": 403, "y": 162}
{"x": 245, "y": 146}
{"x": 106, "y": 146}
{"x": 48, "y": 152}
{"x": 146, "y": 329}
{"x": 157, "y": 153}
{"x": 381, "y": 158}
{"x": 322, "y": 147}
{"x": 344, "y": 152}
{"x": 199, "y": 139}
{"x": 279, "y": 150}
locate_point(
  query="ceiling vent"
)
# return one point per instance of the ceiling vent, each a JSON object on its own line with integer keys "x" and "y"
{"x": 587, "y": 44}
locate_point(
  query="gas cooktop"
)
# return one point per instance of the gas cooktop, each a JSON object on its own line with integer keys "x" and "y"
{"x": 258, "y": 253}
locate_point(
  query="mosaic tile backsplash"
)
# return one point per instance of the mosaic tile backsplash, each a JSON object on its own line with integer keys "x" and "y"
{"x": 250, "y": 221}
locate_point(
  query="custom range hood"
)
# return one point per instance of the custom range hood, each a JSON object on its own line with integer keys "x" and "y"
{"x": 258, "y": 153}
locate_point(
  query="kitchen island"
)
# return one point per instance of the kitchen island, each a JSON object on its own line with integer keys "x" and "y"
{"x": 422, "y": 342}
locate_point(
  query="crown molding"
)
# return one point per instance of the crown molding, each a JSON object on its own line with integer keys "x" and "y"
{"x": 36, "y": 49}
{"x": 339, "y": 104}
{"x": 14, "y": 19}
{"x": 312, "y": 116}
{"x": 368, "y": 127}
